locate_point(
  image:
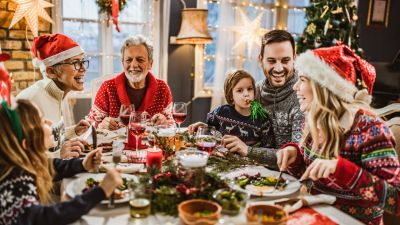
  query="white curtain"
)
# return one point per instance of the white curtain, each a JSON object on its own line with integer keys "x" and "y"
{"x": 228, "y": 58}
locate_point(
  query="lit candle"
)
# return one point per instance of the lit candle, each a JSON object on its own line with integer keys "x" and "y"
{"x": 154, "y": 157}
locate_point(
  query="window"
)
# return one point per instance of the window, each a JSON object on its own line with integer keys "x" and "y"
{"x": 97, "y": 35}
{"x": 293, "y": 20}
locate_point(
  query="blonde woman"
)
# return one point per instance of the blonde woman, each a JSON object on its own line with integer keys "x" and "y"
{"x": 27, "y": 174}
{"x": 346, "y": 150}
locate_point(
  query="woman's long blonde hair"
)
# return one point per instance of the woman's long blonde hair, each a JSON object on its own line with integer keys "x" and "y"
{"x": 323, "y": 121}
{"x": 32, "y": 159}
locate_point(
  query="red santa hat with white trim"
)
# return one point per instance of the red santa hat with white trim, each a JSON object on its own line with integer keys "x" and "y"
{"x": 50, "y": 49}
{"x": 339, "y": 70}
{"x": 5, "y": 81}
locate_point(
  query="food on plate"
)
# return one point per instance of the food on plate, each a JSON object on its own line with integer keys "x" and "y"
{"x": 258, "y": 182}
{"x": 120, "y": 192}
{"x": 203, "y": 213}
{"x": 107, "y": 147}
{"x": 266, "y": 214}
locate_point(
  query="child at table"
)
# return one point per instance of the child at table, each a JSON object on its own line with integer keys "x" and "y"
{"x": 234, "y": 118}
{"x": 346, "y": 150}
{"x": 26, "y": 174}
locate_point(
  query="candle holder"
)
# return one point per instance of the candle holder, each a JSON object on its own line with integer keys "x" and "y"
{"x": 192, "y": 167}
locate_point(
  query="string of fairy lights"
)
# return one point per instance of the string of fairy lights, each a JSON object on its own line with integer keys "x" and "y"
{"x": 268, "y": 8}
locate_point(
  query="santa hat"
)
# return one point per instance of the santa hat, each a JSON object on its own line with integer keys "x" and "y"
{"x": 339, "y": 70}
{"x": 5, "y": 81}
{"x": 51, "y": 49}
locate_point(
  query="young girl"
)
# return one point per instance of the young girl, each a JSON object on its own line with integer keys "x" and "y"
{"x": 346, "y": 150}
{"x": 234, "y": 118}
{"x": 26, "y": 173}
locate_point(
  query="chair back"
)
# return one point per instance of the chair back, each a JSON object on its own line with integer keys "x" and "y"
{"x": 97, "y": 82}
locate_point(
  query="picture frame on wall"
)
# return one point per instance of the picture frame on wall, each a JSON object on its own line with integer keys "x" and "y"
{"x": 378, "y": 13}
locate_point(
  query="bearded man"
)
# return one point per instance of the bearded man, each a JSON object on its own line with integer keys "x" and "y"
{"x": 135, "y": 86}
{"x": 277, "y": 96}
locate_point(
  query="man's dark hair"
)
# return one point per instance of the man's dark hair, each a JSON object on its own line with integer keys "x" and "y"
{"x": 276, "y": 36}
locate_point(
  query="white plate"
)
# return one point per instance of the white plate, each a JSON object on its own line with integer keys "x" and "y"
{"x": 292, "y": 187}
{"x": 76, "y": 186}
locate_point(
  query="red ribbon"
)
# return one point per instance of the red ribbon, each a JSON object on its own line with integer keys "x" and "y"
{"x": 115, "y": 11}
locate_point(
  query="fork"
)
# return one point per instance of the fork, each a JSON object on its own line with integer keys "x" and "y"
{"x": 278, "y": 179}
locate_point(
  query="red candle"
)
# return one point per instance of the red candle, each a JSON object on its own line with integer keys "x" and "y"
{"x": 154, "y": 157}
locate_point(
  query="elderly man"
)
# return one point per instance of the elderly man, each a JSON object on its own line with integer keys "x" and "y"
{"x": 135, "y": 86}
{"x": 63, "y": 65}
{"x": 277, "y": 96}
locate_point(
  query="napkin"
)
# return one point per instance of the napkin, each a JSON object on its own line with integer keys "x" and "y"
{"x": 123, "y": 167}
{"x": 291, "y": 205}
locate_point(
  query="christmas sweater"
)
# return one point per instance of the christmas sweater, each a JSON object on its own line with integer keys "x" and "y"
{"x": 366, "y": 181}
{"x": 112, "y": 93}
{"x": 19, "y": 203}
{"x": 48, "y": 97}
{"x": 228, "y": 121}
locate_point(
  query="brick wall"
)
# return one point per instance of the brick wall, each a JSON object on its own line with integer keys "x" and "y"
{"x": 14, "y": 42}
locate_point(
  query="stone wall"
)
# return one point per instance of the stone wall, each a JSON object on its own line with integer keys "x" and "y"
{"x": 13, "y": 41}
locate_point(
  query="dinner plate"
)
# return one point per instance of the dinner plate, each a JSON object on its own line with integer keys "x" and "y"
{"x": 76, "y": 186}
{"x": 292, "y": 187}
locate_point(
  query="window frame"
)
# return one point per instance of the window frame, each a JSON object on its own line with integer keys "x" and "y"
{"x": 106, "y": 32}
{"x": 200, "y": 89}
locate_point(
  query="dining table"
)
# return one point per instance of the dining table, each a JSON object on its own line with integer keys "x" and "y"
{"x": 119, "y": 215}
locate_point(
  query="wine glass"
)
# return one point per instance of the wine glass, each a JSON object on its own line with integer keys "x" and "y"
{"x": 125, "y": 112}
{"x": 179, "y": 112}
{"x": 137, "y": 126}
{"x": 205, "y": 139}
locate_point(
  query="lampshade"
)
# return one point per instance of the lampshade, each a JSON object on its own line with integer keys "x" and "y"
{"x": 194, "y": 27}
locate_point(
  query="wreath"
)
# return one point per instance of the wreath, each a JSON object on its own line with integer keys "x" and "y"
{"x": 105, "y": 6}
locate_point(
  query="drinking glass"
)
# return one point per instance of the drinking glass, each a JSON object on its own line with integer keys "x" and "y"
{"x": 137, "y": 126}
{"x": 116, "y": 158}
{"x": 125, "y": 112}
{"x": 205, "y": 139}
{"x": 179, "y": 112}
{"x": 164, "y": 138}
{"x": 140, "y": 200}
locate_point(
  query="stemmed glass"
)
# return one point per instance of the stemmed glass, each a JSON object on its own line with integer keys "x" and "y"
{"x": 137, "y": 126}
{"x": 125, "y": 112}
{"x": 179, "y": 112}
{"x": 205, "y": 139}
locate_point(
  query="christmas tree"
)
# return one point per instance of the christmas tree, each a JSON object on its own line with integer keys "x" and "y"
{"x": 329, "y": 22}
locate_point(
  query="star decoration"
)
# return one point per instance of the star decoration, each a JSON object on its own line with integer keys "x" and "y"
{"x": 250, "y": 31}
{"x": 31, "y": 9}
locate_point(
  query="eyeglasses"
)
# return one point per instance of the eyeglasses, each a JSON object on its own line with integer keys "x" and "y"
{"x": 77, "y": 64}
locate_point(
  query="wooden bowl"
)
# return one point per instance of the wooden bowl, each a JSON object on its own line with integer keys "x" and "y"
{"x": 266, "y": 214}
{"x": 199, "y": 212}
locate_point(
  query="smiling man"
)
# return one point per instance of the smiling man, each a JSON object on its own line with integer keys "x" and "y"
{"x": 135, "y": 86}
{"x": 277, "y": 96}
{"x": 63, "y": 65}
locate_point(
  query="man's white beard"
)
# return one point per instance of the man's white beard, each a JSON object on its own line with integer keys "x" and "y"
{"x": 135, "y": 78}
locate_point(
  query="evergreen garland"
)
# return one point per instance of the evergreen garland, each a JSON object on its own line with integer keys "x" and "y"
{"x": 329, "y": 22}
{"x": 105, "y": 6}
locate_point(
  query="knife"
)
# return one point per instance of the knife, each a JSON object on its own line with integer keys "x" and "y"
{"x": 94, "y": 137}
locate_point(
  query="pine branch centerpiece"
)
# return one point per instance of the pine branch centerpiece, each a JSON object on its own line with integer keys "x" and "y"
{"x": 105, "y": 6}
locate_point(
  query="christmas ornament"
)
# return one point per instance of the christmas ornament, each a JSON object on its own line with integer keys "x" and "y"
{"x": 250, "y": 31}
{"x": 31, "y": 10}
{"x": 337, "y": 10}
{"x": 111, "y": 8}
{"x": 326, "y": 8}
{"x": 257, "y": 110}
{"x": 311, "y": 28}
{"x": 326, "y": 27}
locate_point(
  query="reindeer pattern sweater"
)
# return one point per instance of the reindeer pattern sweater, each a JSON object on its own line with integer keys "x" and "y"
{"x": 228, "y": 121}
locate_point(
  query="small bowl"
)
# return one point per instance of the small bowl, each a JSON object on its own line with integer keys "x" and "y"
{"x": 190, "y": 212}
{"x": 231, "y": 201}
{"x": 270, "y": 214}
